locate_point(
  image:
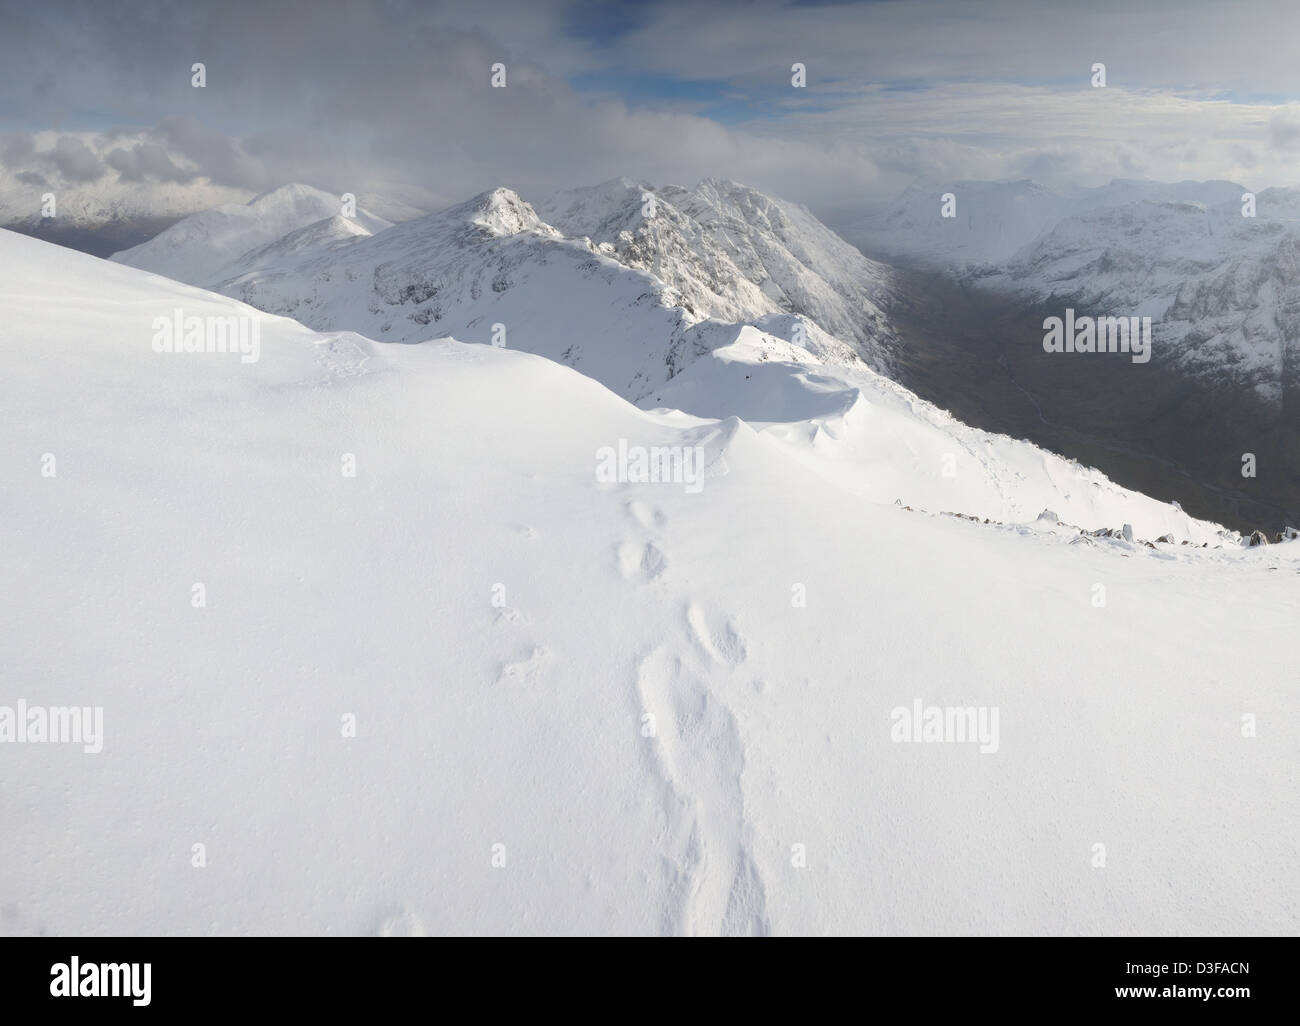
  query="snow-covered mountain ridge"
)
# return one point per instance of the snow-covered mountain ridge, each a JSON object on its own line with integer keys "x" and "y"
{"x": 624, "y": 296}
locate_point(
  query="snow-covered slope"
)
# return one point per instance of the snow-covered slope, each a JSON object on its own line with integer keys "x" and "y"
{"x": 475, "y": 688}
{"x": 875, "y": 438}
{"x": 318, "y": 238}
{"x": 196, "y": 248}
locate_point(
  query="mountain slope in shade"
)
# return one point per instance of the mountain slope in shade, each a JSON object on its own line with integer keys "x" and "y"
{"x": 199, "y": 246}
{"x": 476, "y": 689}
{"x": 1220, "y": 287}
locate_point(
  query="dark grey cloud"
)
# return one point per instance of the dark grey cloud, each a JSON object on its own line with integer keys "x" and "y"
{"x": 17, "y": 149}
{"x": 221, "y": 157}
{"x": 1247, "y": 47}
{"x": 1284, "y": 131}
{"x": 146, "y": 161}
{"x": 75, "y": 161}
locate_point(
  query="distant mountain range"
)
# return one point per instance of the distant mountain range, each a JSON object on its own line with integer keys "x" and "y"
{"x": 1222, "y": 288}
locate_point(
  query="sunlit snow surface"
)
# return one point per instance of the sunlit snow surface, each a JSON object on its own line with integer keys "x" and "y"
{"x": 524, "y": 724}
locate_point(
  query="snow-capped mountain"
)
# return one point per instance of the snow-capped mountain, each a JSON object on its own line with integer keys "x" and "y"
{"x": 627, "y": 288}
{"x": 487, "y": 270}
{"x": 1243, "y": 317}
{"x": 478, "y": 687}
{"x": 197, "y": 248}
{"x": 732, "y": 253}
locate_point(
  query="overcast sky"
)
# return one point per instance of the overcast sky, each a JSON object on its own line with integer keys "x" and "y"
{"x": 395, "y": 96}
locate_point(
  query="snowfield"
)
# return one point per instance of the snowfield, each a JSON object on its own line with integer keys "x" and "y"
{"x": 593, "y": 707}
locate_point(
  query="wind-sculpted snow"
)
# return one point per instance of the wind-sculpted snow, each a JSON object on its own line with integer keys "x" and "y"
{"x": 876, "y": 439}
{"x": 445, "y": 678}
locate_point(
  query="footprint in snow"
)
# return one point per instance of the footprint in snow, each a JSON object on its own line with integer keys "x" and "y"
{"x": 720, "y": 639}
{"x": 650, "y": 519}
{"x": 641, "y": 562}
{"x": 527, "y": 671}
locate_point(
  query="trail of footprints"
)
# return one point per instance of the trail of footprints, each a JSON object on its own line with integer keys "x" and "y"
{"x": 530, "y": 663}
{"x": 697, "y": 755}
{"x": 641, "y": 559}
